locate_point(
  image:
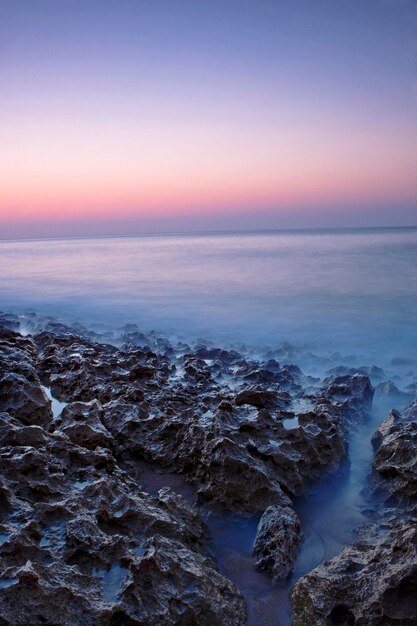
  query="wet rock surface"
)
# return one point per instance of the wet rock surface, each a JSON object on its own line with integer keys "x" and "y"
{"x": 277, "y": 540}
{"x": 395, "y": 461}
{"x": 21, "y": 393}
{"x": 373, "y": 583}
{"x": 209, "y": 414}
{"x": 82, "y": 542}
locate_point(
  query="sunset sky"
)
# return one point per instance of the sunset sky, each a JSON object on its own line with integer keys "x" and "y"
{"x": 120, "y": 116}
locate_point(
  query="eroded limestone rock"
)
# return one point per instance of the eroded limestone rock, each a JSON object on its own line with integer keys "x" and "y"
{"x": 277, "y": 541}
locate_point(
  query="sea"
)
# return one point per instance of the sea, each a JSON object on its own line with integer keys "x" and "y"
{"x": 325, "y": 297}
{"x": 352, "y": 291}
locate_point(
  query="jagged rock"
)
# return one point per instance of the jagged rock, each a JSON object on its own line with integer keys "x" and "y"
{"x": 172, "y": 585}
{"x": 395, "y": 460}
{"x": 389, "y": 390}
{"x": 239, "y": 457}
{"x": 277, "y": 541}
{"x": 236, "y": 480}
{"x": 257, "y": 397}
{"x": 24, "y": 400}
{"x": 81, "y": 542}
{"x": 355, "y": 393}
{"x": 89, "y": 537}
{"x": 72, "y": 511}
{"x": 12, "y": 433}
{"x": 21, "y": 393}
{"x": 371, "y": 371}
{"x": 82, "y": 423}
{"x": 373, "y": 583}
{"x": 78, "y": 369}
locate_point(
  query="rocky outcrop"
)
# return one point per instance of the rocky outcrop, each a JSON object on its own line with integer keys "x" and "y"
{"x": 76, "y": 527}
{"x": 389, "y": 391}
{"x": 21, "y": 393}
{"x": 277, "y": 540}
{"x": 82, "y": 422}
{"x": 395, "y": 463}
{"x": 81, "y": 543}
{"x": 208, "y": 414}
{"x": 75, "y": 522}
{"x": 259, "y": 398}
{"x": 354, "y": 393}
{"x": 373, "y": 372}
{"x": 373, "y": 583}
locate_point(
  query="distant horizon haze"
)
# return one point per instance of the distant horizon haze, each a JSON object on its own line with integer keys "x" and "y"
{"x": 175, "y": 115}
{"x": 209, "y": 223}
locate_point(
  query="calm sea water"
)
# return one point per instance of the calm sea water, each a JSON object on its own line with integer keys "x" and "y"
{"x": 354, "y": 291}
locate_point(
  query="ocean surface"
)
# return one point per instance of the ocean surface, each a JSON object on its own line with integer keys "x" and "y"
{"x": 352, "y": 290}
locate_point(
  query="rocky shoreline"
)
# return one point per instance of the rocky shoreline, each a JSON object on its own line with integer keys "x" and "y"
{"x": 83, "y": 543}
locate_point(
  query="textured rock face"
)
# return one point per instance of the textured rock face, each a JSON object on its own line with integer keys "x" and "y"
{"x": 277, "y": 541}
{"x": 258, "y": 397}
{"x": 355, "y": 393}
{"x": 82, "y": 423}
{"x": 237, "y": 458}
{"x": 80, "y": 542}
{"x": 21, "y": 393}
{"x": 219, "y": 424}
{"x": 373, "y": 372}
{"x": 373, "y": 583}
{"x": 395, "y": 461}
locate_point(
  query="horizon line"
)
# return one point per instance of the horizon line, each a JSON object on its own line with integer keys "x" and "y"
{"x": 209, "y": 232}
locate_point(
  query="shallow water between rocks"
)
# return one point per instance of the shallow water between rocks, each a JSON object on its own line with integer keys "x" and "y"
{"x": 57, "y": 405}
{"x": 330, "y": 512}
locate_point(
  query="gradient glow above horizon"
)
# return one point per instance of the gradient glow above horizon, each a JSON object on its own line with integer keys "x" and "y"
{"x": 130, "y": 115}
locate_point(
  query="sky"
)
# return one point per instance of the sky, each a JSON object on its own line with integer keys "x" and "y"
{"x": 122, "y": 116}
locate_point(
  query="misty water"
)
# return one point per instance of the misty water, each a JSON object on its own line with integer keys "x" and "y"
{"x": 344, "y": 296}
{"x": 353, "y": 291}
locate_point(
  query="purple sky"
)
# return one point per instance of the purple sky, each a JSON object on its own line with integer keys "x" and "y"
{"x": 169, "y": 115}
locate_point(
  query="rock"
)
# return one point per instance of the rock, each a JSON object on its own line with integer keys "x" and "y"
{"x": 258, "y": 398}
{"x": 235, "y": 480}
{"x": 82, "y": 423}
{"x": 354, "y": 392}
{"x": 78, "y": 369}
{"x": 24, "y": 400}
{"x": 172, "y": 585}
{"x": 372, "y": 371}
{"x": 81, "y": 542}
{"x": 389, "y": 390}
{"x": 21, "y": 393}
{"x": 238, "y": 458}
{"x": 277, "y": 541}
{"x": 12, "y": 433}
{"x": 395, "y": 463}
{"x": 373, "y": 583}
{"x": 9, "y": 322}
